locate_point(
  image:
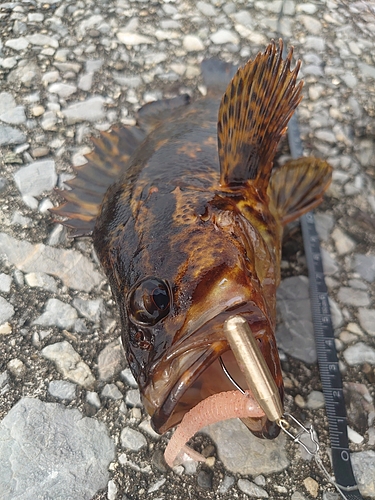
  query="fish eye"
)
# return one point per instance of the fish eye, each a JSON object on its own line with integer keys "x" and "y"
{"x": 149, "y": 301}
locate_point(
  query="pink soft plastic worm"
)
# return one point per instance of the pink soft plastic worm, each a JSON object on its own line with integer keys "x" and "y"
{"x": 218, "y": 407}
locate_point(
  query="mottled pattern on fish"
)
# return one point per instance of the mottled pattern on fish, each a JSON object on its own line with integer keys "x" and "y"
{"x": 191, "y": 231}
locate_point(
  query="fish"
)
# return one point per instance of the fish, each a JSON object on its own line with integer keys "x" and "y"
{"x": 187, "y": 210}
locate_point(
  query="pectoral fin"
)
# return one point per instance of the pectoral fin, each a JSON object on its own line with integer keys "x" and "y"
{"x": 298, "y": 186}
{"x": 104, "y": 166}
{"x": 253, "y": 115}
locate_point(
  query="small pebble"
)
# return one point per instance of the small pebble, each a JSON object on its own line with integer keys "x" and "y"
{"x": 16, "y": 367}
{"x": 204, "y": 479}
{"x": 311, "y": 486}
{"x": 132, "y": 440}
{"x": 111, "y": 391}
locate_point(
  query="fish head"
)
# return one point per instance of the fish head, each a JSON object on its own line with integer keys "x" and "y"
{"x": 173, "y": 320}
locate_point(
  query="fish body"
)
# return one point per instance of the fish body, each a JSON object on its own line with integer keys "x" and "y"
{"x": 191, "y": 231}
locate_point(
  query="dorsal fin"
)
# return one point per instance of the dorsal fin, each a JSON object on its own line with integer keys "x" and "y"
{"x": 104, "y": 166}
{"x": 253, "y": 115}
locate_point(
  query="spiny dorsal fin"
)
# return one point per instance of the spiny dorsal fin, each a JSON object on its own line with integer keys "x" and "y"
{"x": 104, "y": 166}
{"x": 298, "y": 186}
{"x": 253, "y": 115}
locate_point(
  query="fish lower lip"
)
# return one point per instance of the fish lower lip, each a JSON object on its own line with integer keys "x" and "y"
{"x": 161, "y": 416}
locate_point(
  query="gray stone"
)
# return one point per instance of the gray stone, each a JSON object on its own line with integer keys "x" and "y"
{"x": 91, "y": 110}
{"x": 223, "y": 36}
{"x": 6, "y": 310}
{"x": 5, "y": 283}
{"x": 4, "y": 378}
{"x": 330, "y": 266}
{"x": 93, "y": 65}
{"x": 41, "y": 280}
{"x": 243, "y": 17}
{"x": 90, "y": 309}
{"x": 7, "y": 102}
{"x": 359, "y": 353}
{"x": 133, "y": 398}
{"x": 364, "y": 470}
{"x": 330, "y": 495}
{"x": 111, "y": 360}
{"x": 20, "y": 43}
{"x": 128, "y": 378}
{"x": 112, "y": 490}
{"x": 324, "y": 225}
{"x": 130, "y": 39}
{"x": 62, "y": 389}
{"x": 364, "y": 265}
{"x": 251, "y": 489}
{"x": 69, "y": 363}
{"x": 366, "y": 70}
{"x": 8, "y": 62}
{"x": 325, "y": 135}
{"x": 35, "y": 17}
{"x": 127, "y": 81}
{"x": 344, "y": 244}
{"x": 207, "y": 9}
{"x": 39, "y": 39}
{"x": 58, "y": 314}
{"x": 26, "y": 73}
{"x": 367, "y": 320}
{"x": 36, "y": 178}
{"x": 350, "y": 80}
{"x": 47, "y": 449}
{"x": 192, "y": 43}
{"x": 16, "y": 367}
{"x": 68, "y": 67}
{"x": 11, "y": 135}
{"x": 234, "y": 441}
{"x": 15, "y": 116}
{"x": 49, "y": 120}
{"x": 156, "y": 485}
{"x": 336, "y": 314}
{"x": 354, "y": 283}
{"x": 62, "y": 89}
{"x": 132, "y": 440}
{"x": 315, "y": 43}
{"x": 19, "y": 220}
{"x": 93, "y": 399}
{"x": 85, "y": 82}
{"x": 111, "y": 391}
{"x": 353, "y": 297}
{"x": 295, "y": 334}
{"x": 50, "y": 77}
{"x": 315, "y": 400}
{"x": 204, "y": 479}
{"x": 311, "y": 24}
{"x": 74, "y": 269}
{"x": 226, "y": 483}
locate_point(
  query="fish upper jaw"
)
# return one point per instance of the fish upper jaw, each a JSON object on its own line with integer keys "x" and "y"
{"x": 190, "y": 371}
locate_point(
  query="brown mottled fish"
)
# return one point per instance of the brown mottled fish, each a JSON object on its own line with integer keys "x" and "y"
{"x": 190, "y": 232}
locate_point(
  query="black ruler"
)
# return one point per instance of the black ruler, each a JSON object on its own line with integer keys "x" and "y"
{"x": 325, "y": 344}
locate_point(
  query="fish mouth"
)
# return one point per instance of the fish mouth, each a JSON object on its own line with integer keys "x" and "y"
{"x": 192, "y": 371}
